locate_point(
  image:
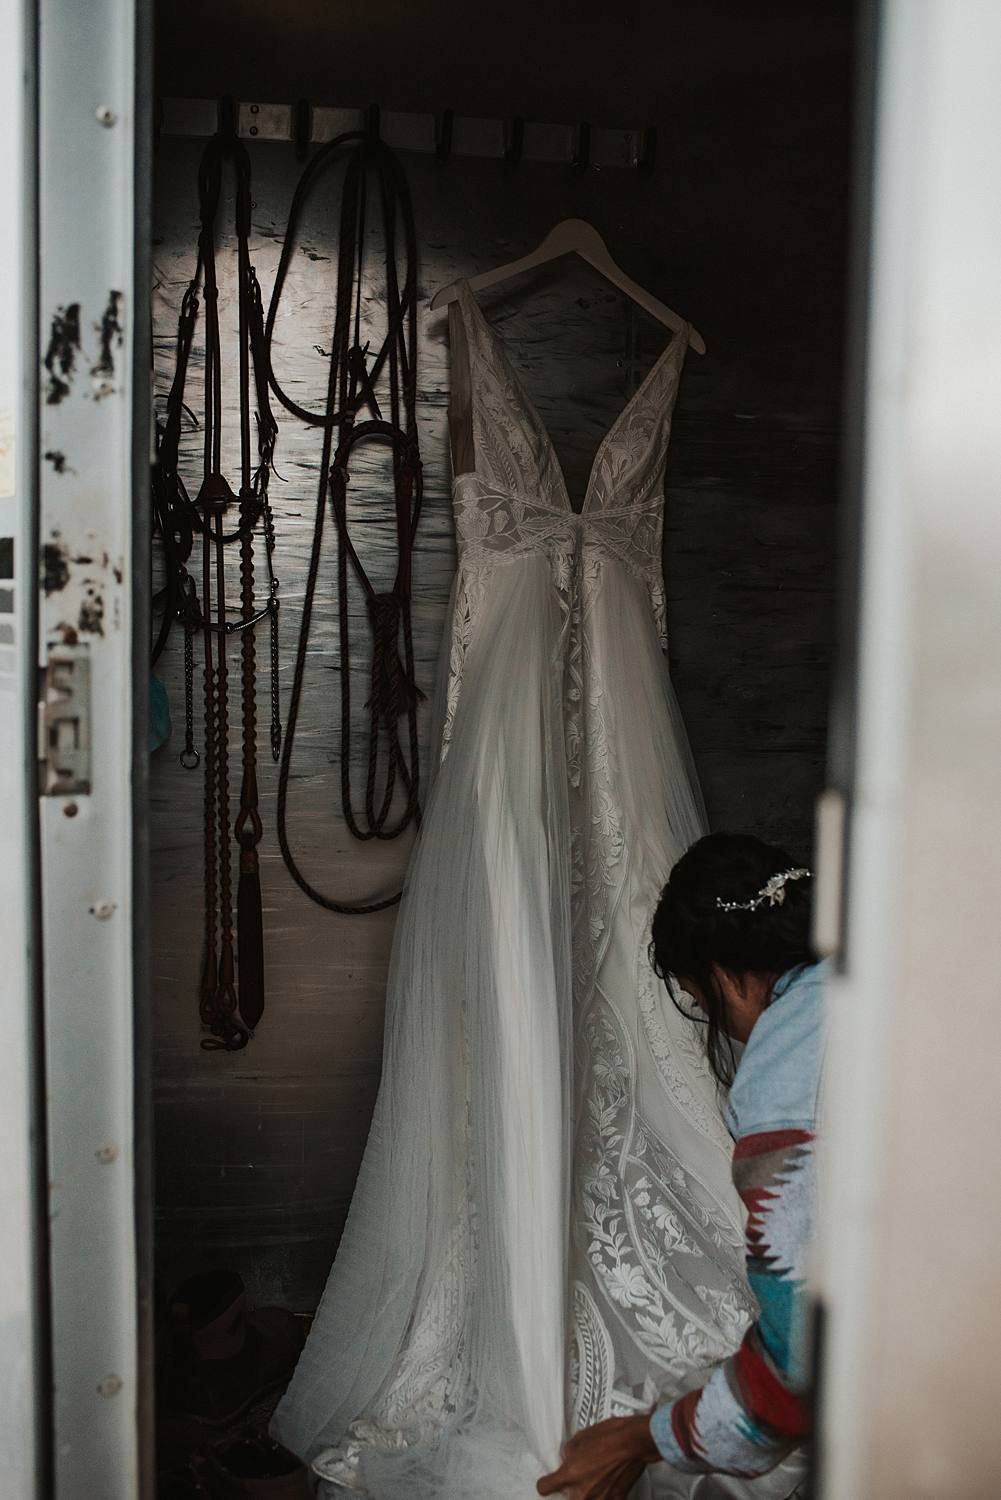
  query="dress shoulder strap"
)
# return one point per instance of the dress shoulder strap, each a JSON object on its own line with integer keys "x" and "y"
{"x": 460, "y": 401}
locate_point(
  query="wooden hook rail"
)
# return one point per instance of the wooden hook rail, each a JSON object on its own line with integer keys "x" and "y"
{"x": 446, "y": 135}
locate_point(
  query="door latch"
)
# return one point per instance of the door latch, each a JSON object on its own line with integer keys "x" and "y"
{"x": 829, "y": 886}
{"x": 64, "y": 721}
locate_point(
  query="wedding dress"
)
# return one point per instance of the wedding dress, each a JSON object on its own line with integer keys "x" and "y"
{"x": 544, "y": 1230}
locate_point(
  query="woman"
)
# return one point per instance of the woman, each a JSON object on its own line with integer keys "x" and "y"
{"x": 732, "y": 929}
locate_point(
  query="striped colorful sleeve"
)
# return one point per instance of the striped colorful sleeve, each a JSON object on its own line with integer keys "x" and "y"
{"x": 753, "y": 1409}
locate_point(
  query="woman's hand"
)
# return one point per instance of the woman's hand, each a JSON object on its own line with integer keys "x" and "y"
{"x": 603, "y": 1462}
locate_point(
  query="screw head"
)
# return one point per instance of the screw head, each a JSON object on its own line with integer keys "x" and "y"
{"x": 102, "y": 910}
{"x": 105, "y": 115}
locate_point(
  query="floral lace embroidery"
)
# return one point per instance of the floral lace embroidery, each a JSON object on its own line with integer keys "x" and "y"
{"x": 495, "y": 527}
{"x": 592, "y": 1362}
{"x": 419, "y": 1400}
{"x": 470, "y": 587}
{"x": 640, "y": 1210}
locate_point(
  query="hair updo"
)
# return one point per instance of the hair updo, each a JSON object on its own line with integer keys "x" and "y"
{"x": 690, "y": 932}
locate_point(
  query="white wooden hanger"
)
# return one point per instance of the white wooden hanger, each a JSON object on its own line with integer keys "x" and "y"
{"x": 576, "y": 236}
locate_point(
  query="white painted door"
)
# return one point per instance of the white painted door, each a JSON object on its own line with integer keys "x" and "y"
{"x": 24, "y": 1438}
{"x": 911, "y": 1270}
{"x": 92, "y": 365}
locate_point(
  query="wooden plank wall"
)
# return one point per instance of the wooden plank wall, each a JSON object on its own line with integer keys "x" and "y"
{"x": 257, "y": 1151}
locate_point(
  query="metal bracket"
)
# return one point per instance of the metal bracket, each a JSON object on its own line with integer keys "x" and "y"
{"x": 64, "y": 721}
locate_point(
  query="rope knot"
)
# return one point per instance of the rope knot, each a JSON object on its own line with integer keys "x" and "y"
{"x": 411, "y": 469}
{"x": 393, "y": 689}
{"x": 358, "y": 360}
{"x": 340, "y": 474}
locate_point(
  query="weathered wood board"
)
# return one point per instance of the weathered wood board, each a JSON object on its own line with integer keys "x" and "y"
{"x": 257, "y": 1151}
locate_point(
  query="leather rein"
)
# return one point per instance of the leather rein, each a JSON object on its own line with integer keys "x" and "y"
{"x": 229, "y": 1016}
{"x": 351, "y": 419}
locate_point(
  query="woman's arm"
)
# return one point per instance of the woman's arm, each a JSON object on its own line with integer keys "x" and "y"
{"x": 753, "y": 1409}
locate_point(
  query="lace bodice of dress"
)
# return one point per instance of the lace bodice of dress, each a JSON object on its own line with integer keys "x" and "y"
{"x": 494, "y": 526}
{"x": 514, "y": 502}
{"x": 517, "y": 483}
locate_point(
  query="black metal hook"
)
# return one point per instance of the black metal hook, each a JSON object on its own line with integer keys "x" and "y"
{"x": 648, "y": 152}
{"x": 302, "y": 127}
{"x": 372, "y": 124}
{"x": 582, "y": 159}
{"x": 229, "y": 116}
{"x": 443, "y": 148}
{"x": 516, "y": 143}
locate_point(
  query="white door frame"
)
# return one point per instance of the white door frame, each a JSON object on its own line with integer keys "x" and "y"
{"x": 93, "y": 467}
{"x": 910, "y": 1274}
{"x": 25, "y": 1432}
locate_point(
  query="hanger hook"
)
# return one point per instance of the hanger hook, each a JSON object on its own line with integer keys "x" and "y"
{"x": 648, "y": 152}
{"x": 302, "y": 127}
{"x": 443, "y": 146}
{"x": 582, "y": 158}
{"x": 516, "y": 143}
{"x": 229, "y": 116}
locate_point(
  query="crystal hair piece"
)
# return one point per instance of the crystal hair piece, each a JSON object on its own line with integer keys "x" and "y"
{"x": 773, "y": 892}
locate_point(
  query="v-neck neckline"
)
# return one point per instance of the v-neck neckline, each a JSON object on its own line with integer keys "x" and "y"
{"x": 499, "y": 345}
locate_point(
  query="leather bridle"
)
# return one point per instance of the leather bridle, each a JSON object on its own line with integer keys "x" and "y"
{"x": 392, "y": 757}
{"x": 230, "y": 1017}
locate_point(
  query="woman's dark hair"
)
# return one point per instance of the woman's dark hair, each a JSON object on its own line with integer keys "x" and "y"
{"x": 690, "y": 932}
